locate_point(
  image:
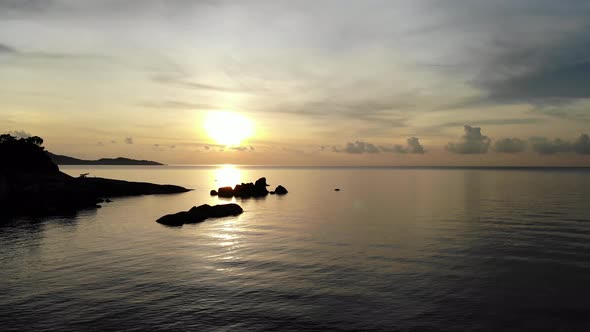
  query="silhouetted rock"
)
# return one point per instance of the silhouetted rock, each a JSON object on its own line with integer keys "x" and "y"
{"x": 271, "y": 192}
{"x": 31, "y": 184}
{"x": 200, "y": 213}
{"x": 226, "y": 192}
{"x": 245, "y": 190}
{"x": 213, "y": 193}
{"x": 337, "y": 189}
{"x": 108, "y": 201}
{"x": 281, "y": 190}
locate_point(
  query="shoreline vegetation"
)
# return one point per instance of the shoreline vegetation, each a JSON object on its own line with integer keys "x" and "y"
{"x": 32, "y": 184}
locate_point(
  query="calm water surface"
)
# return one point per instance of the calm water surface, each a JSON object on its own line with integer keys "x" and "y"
{"x": 395, "y": 249}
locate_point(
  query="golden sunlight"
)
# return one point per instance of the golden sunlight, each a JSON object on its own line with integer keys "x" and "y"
{"x": 227, "y": 175}
{"x": 228, "y": 128}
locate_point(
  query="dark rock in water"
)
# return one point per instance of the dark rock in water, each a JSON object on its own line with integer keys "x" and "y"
{"x": 245, "y": 190}
{"x": 227, "y": 192}
{"x": 98, "y": 206}
{"x": 261, "y": 183}
{"x": 281, "y": 190}
{"x": 200, "y": 213}
{"x": 99, "y": 200}
{"x": 108, "y": 201}
{"x": 337, "y": 189}
{"x": 271, "y": 192}
{"x": 213, "y": 193}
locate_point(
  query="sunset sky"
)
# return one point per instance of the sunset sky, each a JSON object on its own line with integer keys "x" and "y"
{"x": 319, "y": 82}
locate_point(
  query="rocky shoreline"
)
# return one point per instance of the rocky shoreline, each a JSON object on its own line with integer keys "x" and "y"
{"x": 32, "y": 184}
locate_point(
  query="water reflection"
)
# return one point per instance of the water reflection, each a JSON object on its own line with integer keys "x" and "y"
{"x": 227, "y": 175}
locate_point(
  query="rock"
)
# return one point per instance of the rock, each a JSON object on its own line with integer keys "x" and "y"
{"x": 337, "y": 189}
{"x": 108, "y": 201}
{"x": 281, "y": 190}
{"x": 177, "y": 219}
{"x": 272, "y": 192}
{"x": 227, "y": 192}
{"x": 200, "y": 213}
{"x": 244, "y": 190}
{"x": 213, "y": 193}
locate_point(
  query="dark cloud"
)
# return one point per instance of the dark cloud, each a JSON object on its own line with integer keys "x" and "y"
{"x": 129, "y": 140}
{"x": 33, "y": 57}
{"x": 243, "y": 148}
{"x": 582, "y": 144}
{"x": 494, "y": 122}
{"x": 358, "y": 147}
{"x": 546, "y": 146}
{"x": 509, "y": 145}
{"x": 473, "y": 142}
{"x": 557, "y": 68}
{"x": 16, "y": 7}
{"x": 413, "y": 146}
{"x": 5, "y": 49}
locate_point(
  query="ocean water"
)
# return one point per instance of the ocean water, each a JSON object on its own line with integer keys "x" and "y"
{"x": 395, "y": 249}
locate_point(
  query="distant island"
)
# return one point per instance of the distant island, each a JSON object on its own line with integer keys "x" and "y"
{"x": 66, "y": 160}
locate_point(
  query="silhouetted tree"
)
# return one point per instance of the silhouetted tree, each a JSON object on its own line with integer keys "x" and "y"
{"x": 25, "y": 154}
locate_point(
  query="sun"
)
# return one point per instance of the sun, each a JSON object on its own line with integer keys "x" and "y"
{"x": 228, "y": 128}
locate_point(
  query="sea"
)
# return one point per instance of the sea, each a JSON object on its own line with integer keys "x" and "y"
{"x": 396, "y": 249}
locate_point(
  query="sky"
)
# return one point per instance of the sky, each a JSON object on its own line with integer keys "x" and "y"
{"x": 323, "y": 82}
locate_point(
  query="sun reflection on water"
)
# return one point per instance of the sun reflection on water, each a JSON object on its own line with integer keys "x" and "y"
{"x": 227, "y": 175}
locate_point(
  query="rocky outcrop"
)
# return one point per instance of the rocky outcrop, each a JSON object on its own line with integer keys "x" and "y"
{"x": 281, "y": 190}
{"x": 248, "y": 190}
{"x": 226, "y": 192}
{"x": 200, "y": 213}
{"x": 31, "y": 184}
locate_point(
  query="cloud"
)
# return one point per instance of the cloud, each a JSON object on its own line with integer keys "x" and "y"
{"x": 20, "y": 134}
{"x": 473, "y": 142}
{"x": 413, "y": 146}
{"x": 129, "y": 140}
{"x": 179, "y": 80}
{"x": 524, "y": 67}
{"x": 582, "y": 144}
{"x": 5, "y": 49}
{"x": 494, "y": 122}
{"x": 510, "y": 145}
{"x": 241, "y": 148}
{"x": 179, "y": 105}
{"x": 358, "y": 147}
{"x": 543, "y": 145}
